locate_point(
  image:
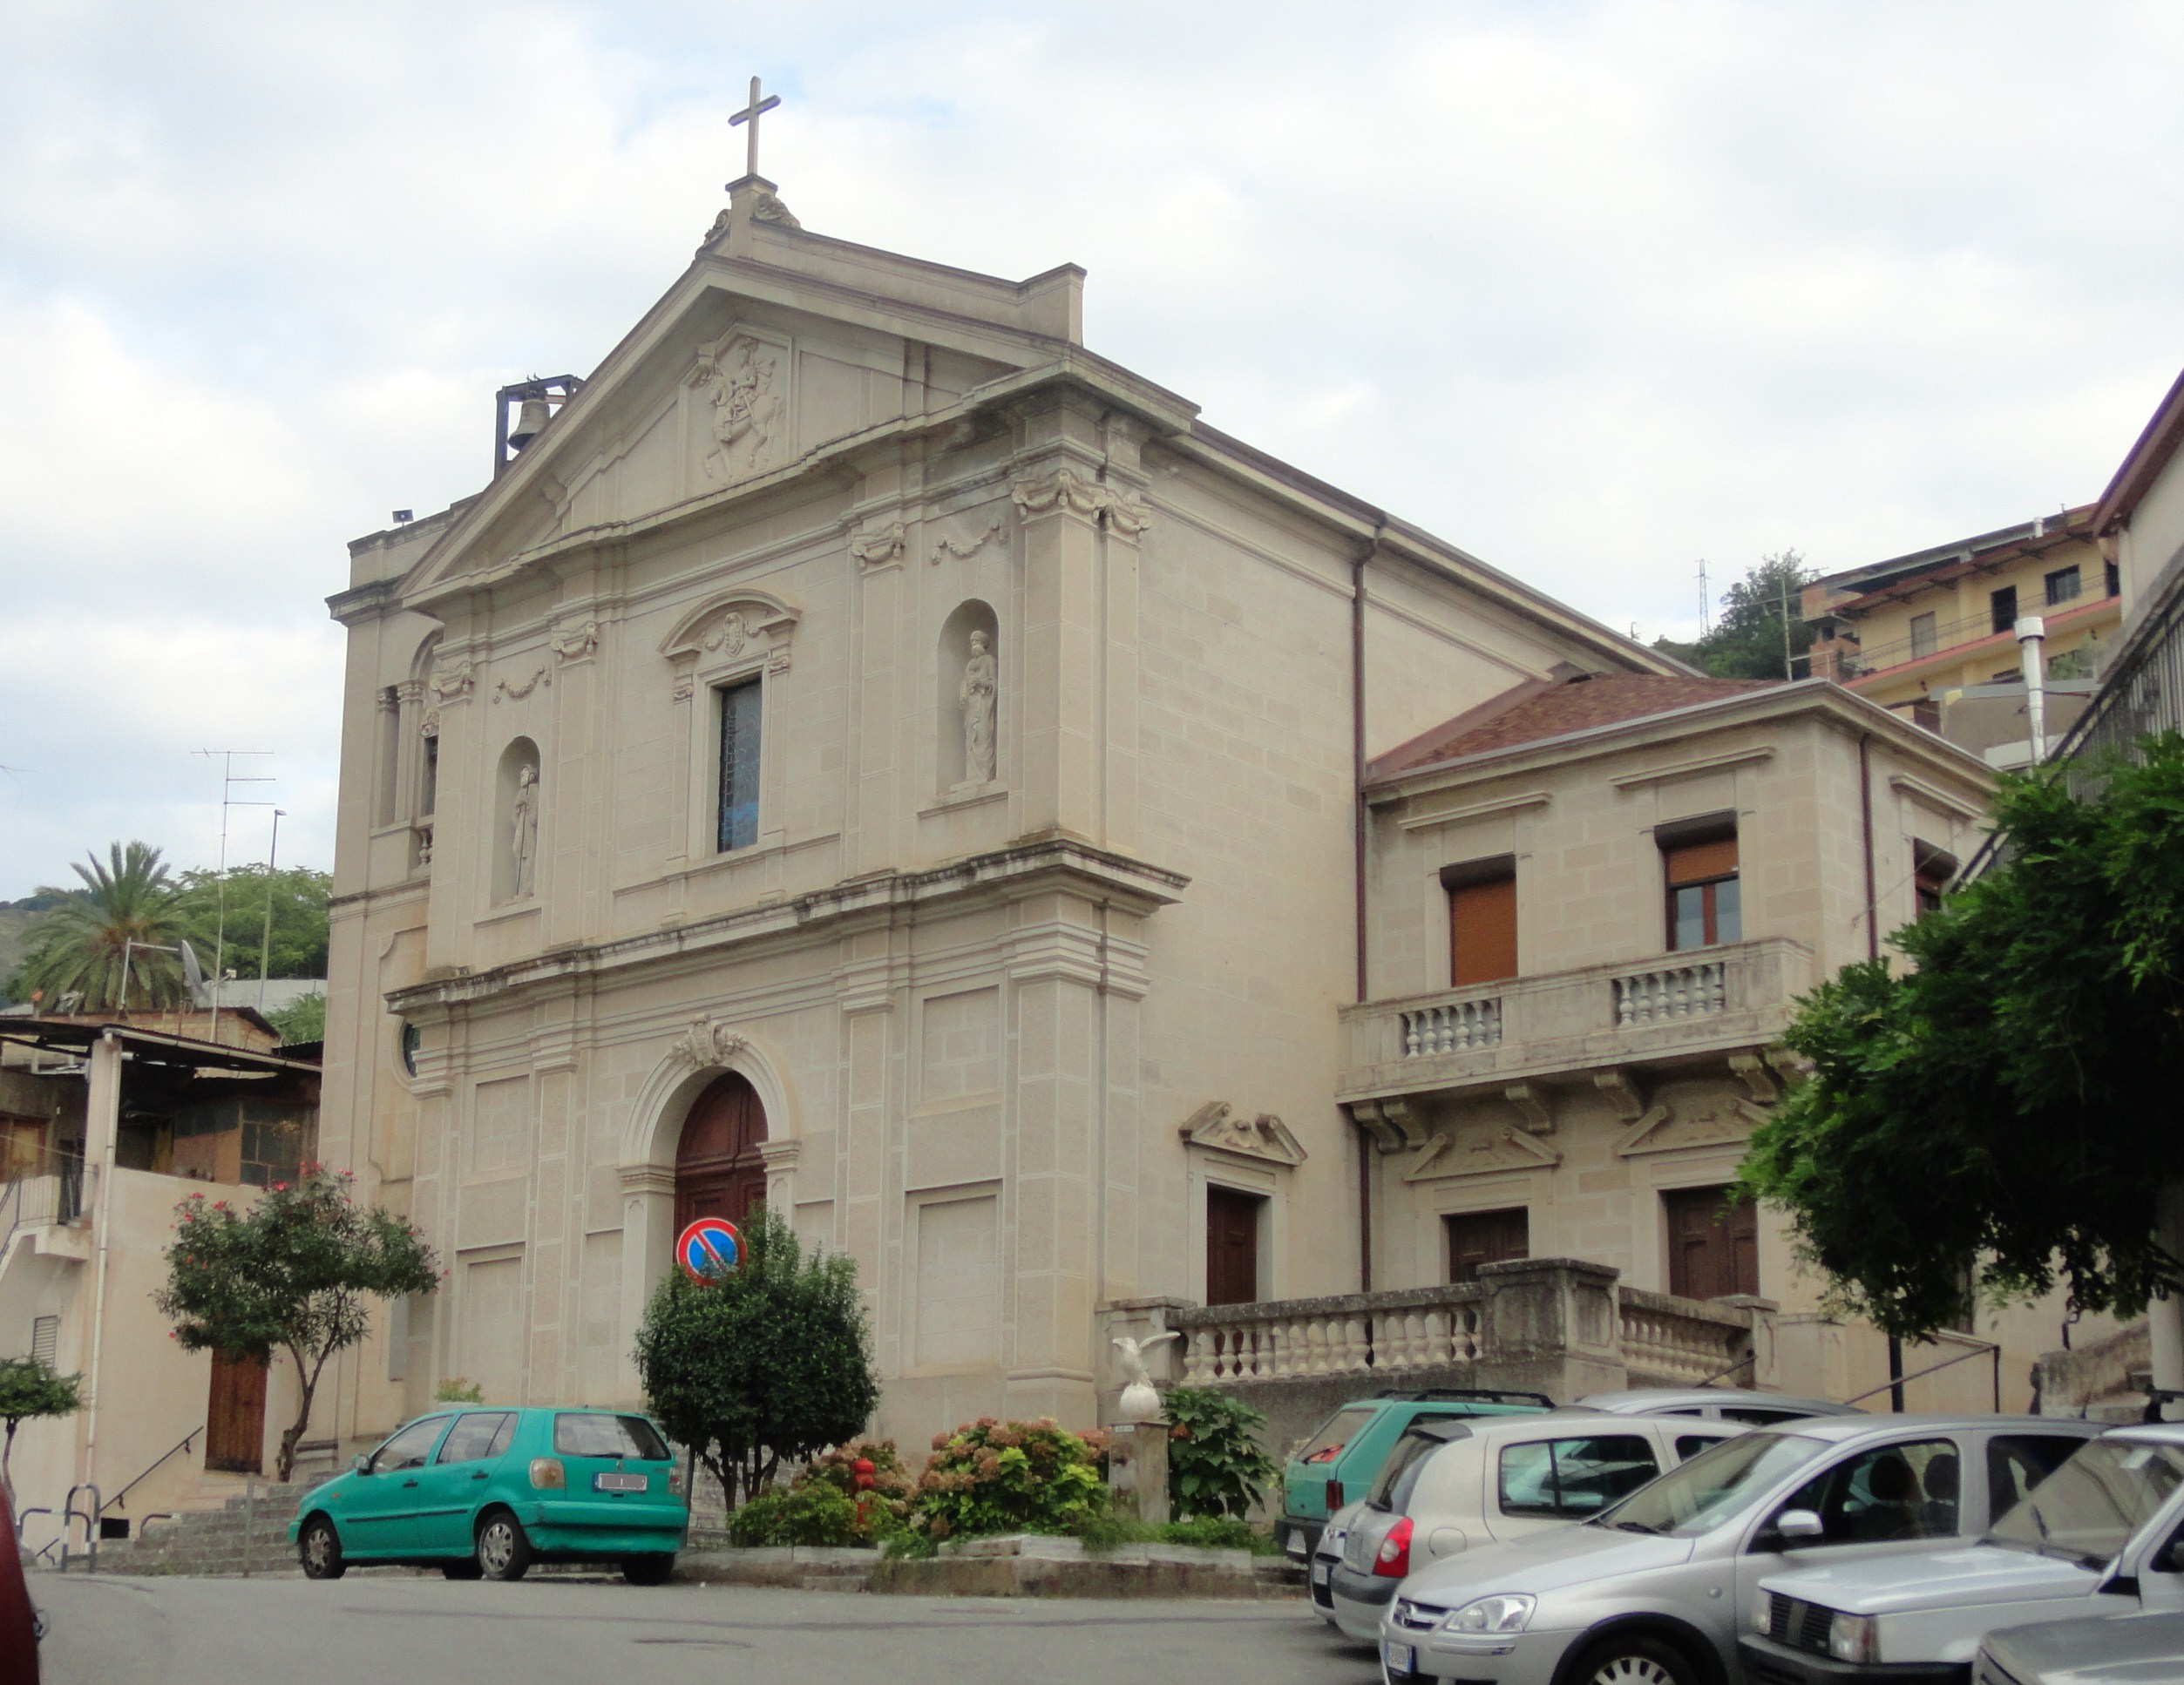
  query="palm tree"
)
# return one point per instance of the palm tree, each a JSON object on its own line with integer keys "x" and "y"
{"x": 79, "y": 945}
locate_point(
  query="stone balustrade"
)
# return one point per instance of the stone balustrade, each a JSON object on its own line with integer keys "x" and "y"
{"x": 1554, "y": 1326}
{"x": 1454, "y": 1027}
{"x": 1674, "y": 1342}
{"x": 1352, "y": 1335}
{"x": 1663, "y": 992}
{"x": 1563, "y": 1024}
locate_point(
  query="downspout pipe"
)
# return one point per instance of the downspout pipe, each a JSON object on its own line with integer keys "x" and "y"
{"x": 1872, "y": 951}
{"x": 1360, "y": 837}
{"x": 102, "y": 1113}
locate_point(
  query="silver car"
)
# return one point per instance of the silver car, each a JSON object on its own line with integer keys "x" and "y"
{"x": 1464, "y": 1486}
{"x": 1654, "y": 1591}
{"x": 2116, "y": 1649}
{"x": 1757, "y": 1410}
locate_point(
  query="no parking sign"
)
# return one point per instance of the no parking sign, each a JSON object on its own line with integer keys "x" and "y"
{"x": 708, "y": 1247}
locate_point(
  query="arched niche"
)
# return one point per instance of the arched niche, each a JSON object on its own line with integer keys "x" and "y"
{"x": 971, "y": 633}
{"x": 516, "y": 814}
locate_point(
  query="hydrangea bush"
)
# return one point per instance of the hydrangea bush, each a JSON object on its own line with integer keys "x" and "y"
{"x": 991, "y": 1476}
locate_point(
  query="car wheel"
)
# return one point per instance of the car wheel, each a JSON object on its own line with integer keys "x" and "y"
{"x": 504, "y": 1551}
{"x": 650, "y": 1570}
{"x": 1640, "y": 1659}
{"x": 319, "y": 1549}
{"x": 466, "y": 1569}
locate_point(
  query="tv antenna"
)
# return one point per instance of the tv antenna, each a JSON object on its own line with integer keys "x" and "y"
{"x": 1705, "y": 606}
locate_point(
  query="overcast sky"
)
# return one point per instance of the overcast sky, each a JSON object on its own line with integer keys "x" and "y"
{"x": 1593, "y": 290}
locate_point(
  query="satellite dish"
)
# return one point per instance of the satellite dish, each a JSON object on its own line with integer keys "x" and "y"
{"x": 192, "y": 973}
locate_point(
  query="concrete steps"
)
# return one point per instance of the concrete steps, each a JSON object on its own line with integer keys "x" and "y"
{"x": 228, "y": 1535}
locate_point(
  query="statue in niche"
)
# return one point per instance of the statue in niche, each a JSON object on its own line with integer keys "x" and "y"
{"x": 978, "y": 696}
{"x": 523, "y": 826}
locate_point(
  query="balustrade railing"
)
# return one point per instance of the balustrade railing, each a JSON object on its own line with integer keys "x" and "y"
{"x": 1663, "y": 994}
{"x": 1455, "y": 1026}
{"x": 1292, "y": 1338}
{"x": 1670, "y": 1339}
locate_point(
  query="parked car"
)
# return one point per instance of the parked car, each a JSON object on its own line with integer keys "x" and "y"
{"x": 2103, "y": 1534}
{"x": 1450, "y": 1486}
{"x": 1757, "y": 1410}
{"x": 1657, "y": 1588}
{"x": 1337, "y": 1463}
{"x": 482, "y": 1493}
{"x": 2114, "y": 1649}
{"x": 19, "y": 1625}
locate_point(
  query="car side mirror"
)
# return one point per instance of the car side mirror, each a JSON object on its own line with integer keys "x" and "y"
{"x": 362, "y": 1464}
{"x": 1799, "y": 1527}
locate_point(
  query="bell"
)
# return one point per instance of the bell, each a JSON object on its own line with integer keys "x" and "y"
{"x": 531, "y": 422}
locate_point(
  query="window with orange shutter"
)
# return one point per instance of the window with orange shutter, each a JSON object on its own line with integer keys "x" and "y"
{"x": 1481, "y": 922}
{"x": 1705, "y": 903}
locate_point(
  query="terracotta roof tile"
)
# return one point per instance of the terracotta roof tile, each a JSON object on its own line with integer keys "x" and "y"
{"x": 1551, "y": 708}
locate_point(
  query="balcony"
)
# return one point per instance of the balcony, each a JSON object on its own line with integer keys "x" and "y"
{"x": 1678, "y": 1009}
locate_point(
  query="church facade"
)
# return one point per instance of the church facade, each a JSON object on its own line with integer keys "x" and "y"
{"x": 869, "y": 754}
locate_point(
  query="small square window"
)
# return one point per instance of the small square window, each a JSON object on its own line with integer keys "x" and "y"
{"x": 2002, "y": 607}
{"x": 2062, "y": 587}
{"x": 1925, "y": 636}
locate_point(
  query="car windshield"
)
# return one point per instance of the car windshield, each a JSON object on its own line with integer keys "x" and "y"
{"x": 1698, "y": 1496}
{"x": 1337, "y": 1431}
{"x": 2088, "y": 1509}
{"x": 607, "y": 1436}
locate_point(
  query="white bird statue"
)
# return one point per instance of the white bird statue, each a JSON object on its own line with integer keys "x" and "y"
{"x": 1139, "y": 1403}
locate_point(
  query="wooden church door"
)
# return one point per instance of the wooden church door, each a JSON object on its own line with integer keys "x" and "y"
{"x": 718, "y": 1172}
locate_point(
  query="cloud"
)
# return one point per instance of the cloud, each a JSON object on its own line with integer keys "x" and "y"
{"x": 1593, "y": 288}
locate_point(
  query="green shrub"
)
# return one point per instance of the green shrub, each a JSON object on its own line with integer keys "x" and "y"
{"x": 810, "y": 1512}
{"x": 456, "y": 1390}
{"x": 1009, "y": 1477}
{"x": 1214, "y": 1466}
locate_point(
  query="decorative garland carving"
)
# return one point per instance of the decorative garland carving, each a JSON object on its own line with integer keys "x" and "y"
{"x": 453, "y": 681}
{"x": 884, "y": 545}
{"x": 1067, "y": 490}
{"x": 964, "y": 549}
{"x": 577, "y": 642}
{"x": 517, "y": 693}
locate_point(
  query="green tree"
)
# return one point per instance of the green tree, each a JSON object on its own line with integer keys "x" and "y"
{"x": 80, "y": 942}
{"x": 30, "y": 1388}
{"x": 1214, "y": 1464}
{"x": 295, "y": 1273}
{"x": 1745, "y": 638}
{"x": 766, "y": 1361}
{"x": 1999, "y": 1117}
{"x": 299, "y": 896}
{"x": 302, "y": 1019}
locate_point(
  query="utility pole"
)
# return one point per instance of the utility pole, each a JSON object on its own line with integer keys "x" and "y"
{"x": 265, "y": 941}
{"x": 1705, "y": 606}
{"x": 228, "y": 780}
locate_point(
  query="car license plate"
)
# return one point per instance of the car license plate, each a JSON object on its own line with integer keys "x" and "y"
{"x": 1319, "y": 1572}
{"x": 604, "y": 1481}
{"x": 1401, "y": 1658}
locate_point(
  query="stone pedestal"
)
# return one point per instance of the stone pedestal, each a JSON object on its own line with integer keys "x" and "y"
{"x": 1138, "y": 1471}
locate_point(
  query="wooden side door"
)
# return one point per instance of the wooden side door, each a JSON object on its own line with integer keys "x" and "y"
{"x": 1714, "y": 1247}
{"x": 1233, "y": 1245}
{"x": 235, "y": 1415}
{"x": 1485, "y": 1237}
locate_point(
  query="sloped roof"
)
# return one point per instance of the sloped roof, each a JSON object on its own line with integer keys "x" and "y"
{"x": 2144, "y": 461}
{"x": 1554, "y": 707}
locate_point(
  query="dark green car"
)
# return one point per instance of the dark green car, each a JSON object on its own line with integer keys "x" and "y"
{"x": 485, "y": 1494}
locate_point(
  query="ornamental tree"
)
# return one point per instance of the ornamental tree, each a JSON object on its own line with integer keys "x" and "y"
{"x": 758, "y": 1363}
{"x": 30, "y": 1388}
{"x": 296, "y": 1272}
{"x": 2003, "y": 1115}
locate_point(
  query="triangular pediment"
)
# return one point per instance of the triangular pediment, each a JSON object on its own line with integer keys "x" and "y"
{"x": 749, "y": 367}
{"x": 1708, "y": 1121}
{"x": 1220, "y": 1126}
{"x": 1480, "y": 1150}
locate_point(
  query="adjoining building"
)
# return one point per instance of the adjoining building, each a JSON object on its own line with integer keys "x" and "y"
{"x": 1933, "y": 635}
{"x": 106, "y": 1127}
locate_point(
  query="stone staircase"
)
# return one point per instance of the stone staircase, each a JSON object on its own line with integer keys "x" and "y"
{"x": 241, "y": 1534}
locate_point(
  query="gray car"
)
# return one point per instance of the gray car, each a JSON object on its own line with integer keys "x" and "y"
{"x": 1654, "y": 1591}
{"x": 2116, "y": 1649}
{"x": 1758, "y": 1410}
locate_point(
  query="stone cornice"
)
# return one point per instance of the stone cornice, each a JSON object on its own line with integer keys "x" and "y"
{"x": 1027, "y": 868}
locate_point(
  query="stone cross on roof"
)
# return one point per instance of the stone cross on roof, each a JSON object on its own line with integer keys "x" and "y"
{"x": 750, "y": 114}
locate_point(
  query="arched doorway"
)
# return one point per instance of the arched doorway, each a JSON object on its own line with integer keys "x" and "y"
{"x": 718, "y": 1169}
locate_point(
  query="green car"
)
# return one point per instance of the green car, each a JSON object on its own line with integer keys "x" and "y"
{"x": 1338, "y": 1463}
{"x": 485, "y": 1494}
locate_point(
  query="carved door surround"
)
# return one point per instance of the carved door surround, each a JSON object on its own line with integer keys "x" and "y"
{"x": 1239, "y": 1170}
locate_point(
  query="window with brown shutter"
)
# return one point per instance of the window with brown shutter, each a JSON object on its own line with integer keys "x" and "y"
{"x": 1482, "y": 920}
{"x": 1713, "y": 1246}
{"x": 1705, "y": 903}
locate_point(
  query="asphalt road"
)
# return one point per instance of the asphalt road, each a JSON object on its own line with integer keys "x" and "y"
{"x": 381, "y": 1630}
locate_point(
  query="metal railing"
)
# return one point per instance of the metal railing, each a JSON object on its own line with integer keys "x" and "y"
{"x": 183, "y": 1445}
